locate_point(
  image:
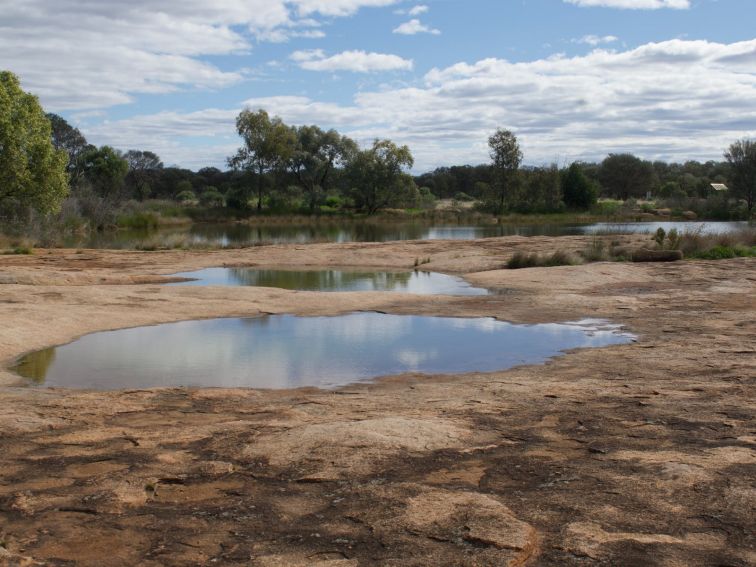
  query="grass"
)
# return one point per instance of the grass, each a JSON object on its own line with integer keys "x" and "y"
{"x": 532, "y": 260}
{"x": 721, "y": 252}
{"x": 139, "y": 220}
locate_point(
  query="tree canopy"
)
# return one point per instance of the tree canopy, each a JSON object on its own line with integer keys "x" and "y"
{"x": 506, "y": 157}
{"x": 104, "y": 169}
{"x": 32, "y": 172}
{"x": 741, "y": 156}
{"x": 578, "y": 191}
{"x": 268, "y": 146}
{"x": 376, "y": 175}
{"x": 625, "y": 176}
{"x": 314, "y": 157}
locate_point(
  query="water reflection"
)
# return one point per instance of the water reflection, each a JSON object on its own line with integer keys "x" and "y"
{"x": 285, "y": 351}
{"x": 362, "y": 231}
{"x": 423, "y": 283}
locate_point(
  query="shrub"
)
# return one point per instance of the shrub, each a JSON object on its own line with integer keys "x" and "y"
{"x": 186, "y": 196}
{"x": 596, "y": 251}
{"x": 211, "y": 197}
{"x": 524, "y": 260}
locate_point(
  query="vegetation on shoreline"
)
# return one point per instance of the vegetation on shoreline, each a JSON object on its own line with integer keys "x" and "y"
{"x": 54, "y": 182}
{"x": 692, "y": 245}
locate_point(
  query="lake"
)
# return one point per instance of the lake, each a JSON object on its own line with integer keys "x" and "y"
{"x": 286, "y": 351}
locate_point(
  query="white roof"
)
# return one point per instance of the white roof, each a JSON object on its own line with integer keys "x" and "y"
{"x": 719, "y": 186}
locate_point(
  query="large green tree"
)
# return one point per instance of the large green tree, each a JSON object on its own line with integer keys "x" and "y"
{"x": 377, "y": 176}
{"x": 506, "y": 157}
{"x": 578, "y": 191}
{"x": 625, "y": 176}
{"x": 105, "y": 170}
{"x": 741, "y": 156}
{"x": 268, "y": 146}
{"x": 316, "y": 154}
{"x": 32, "y": 171}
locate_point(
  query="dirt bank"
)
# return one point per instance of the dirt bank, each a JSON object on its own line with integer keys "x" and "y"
{"x": 640, "y": 454}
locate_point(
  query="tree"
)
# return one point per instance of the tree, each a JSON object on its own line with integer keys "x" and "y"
{"x": 506, "y": 158}
{"x": 72, "y": 141}
{"x": 314, "y": 157}
{"x": 105, "y": 170}
{"x": 211, "y": 197}
{"x": 741, "y": 156}
{"x": 142, "y": 166}
{"x": 32, "y": 171}
{"x": 624, "y": 176}
{"x": 376, "y": 175}
{"x": 577, "y": 190}
{"x": 268, "y": 146}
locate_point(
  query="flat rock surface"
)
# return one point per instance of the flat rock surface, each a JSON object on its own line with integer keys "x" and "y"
{"x": 640, "y": 454}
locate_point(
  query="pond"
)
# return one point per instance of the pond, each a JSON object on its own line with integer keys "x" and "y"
{"x": 353, "y": 231}
{"x": 286, "y": 351}
{"x": 418, "y": 282}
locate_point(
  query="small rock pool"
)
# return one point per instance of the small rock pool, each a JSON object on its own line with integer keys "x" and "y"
{"x": 286, "y": 351}
{"x": 418, "y": 282}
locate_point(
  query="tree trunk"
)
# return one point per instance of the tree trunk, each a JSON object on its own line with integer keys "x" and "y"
{"x": 259, "y": 189}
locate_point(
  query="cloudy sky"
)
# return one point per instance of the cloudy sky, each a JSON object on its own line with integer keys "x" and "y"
{"x": 574, "y": 79}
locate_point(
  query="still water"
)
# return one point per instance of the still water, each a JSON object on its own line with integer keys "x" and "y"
{"x": 421, "y": 283}
{"x": 246, "y": 235}
{"x": 286, "y": 351}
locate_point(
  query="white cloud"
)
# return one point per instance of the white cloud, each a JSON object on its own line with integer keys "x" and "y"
{"x": 413, "y": 27}
{"x": 595, "y": 40}
{"x": 354, "y": 61}
{"x": 671, "y": 100}
{"x": 414, "y": 11}
{"x": 81, "y": 55}
{"x": 338, "y": 7}
{"x": 633, "y": 4}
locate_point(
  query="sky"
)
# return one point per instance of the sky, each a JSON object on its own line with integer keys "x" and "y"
{"x": 574, "y": 79}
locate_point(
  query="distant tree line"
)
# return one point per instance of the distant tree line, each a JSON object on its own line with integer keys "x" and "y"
{"x": 47, "y": 165}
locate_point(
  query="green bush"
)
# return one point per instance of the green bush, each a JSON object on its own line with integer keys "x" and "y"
{"x": 186, "y": 196}
{"x": 139, "y": 220}
{"x": 211, "y": 198}
{"x": 725, "y": 252}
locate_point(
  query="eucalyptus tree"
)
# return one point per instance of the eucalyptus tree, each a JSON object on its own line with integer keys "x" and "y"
{"x": 316, "y": 154}
{"x": 377, "y": 175}
{"x": 625, "y": 176}
{"x": 32, "y": 170}
{"x": 741, "y": 156}
{"x": 142, "y": 167}
{"x": 506, "y": 158}
{"x": 268, "y": 147}
{"x": 104, "y": 169}
{"x": 72, "y": 141}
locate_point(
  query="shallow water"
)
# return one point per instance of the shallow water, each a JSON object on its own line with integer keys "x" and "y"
{"x": 418, "y": 282}
{"x": 702, "y": 227}
{"x": 349, "y": 231}
{"x": 285, "y": 351}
